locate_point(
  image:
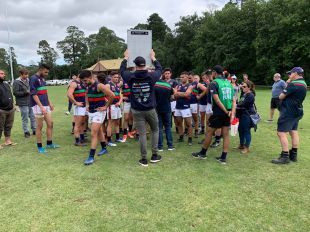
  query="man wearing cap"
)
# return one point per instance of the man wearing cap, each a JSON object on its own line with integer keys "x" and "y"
{"x": 222, "y": 106}
{"x": 277, "y": 88}
{"x": 291, "y": 111}
{"x": 143, "y": 102}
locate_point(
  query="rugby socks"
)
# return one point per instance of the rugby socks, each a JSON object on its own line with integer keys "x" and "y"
{"x": 82, "y": 137}
{"x": 92, "y": 152}
{"x": 109, "y": 138}
{"x": 204, "y": 151}
{"x": 117, "y": 136}
{"x": 130, "y": 127}
{"x": 217, "y": 138}
{"x": 49, "y": 142}
{"x": 77, "y": 140}
{"x": 125, "y": 132}
{"x": 223, "y": 156}
{"x": 103, "y": 145}
{"x": 39, "y": 145}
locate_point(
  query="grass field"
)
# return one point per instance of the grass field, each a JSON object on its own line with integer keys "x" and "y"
{"x": 56, "y": 192}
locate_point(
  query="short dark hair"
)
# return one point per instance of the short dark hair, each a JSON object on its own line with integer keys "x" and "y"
{"x": 114, "y": 73}
{"x": 184, "y": 73}
{"x": 191, "y": 73}
{"x": 218, "y": 69}
{"x": 84, "y": 74}
{"x": 101, "y": 77}
{"x": 167, "y": 70}
{"x": 23, "y": 71}
{"x": 44, "y": 66}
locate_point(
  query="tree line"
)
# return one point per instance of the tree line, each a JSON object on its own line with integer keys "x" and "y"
{"x": 260, "y": 37}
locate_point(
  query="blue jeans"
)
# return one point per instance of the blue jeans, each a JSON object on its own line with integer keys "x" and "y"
{"x": 26, "y": 112}
{"x": 244, "y": 130}
{"x": 164, "y": 119}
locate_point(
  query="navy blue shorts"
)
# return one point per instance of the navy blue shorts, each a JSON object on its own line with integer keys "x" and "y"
{"x": 287, "y": 124}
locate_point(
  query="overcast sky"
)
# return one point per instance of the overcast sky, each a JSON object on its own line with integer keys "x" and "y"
{"x": 33, "y": 20}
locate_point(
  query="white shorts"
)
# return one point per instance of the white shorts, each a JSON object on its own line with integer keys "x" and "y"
{"x": 173, "y": 105}
{"x": 209, "y": 109}
{"x": 38, "y": 112}
{"x": 127, "y": 107}
{"x": 79, "y": 111}
{"x": 194, "y": 108}
{"x": 202, "y": 108}
{"x": 114, "y": 112}
{"x": 97, "y": 117}
{"x": 185, "y": 113}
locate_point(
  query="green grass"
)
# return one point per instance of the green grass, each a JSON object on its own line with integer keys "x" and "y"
{"x": 57, "y": 192}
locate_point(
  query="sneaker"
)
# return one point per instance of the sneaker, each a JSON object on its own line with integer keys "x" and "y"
{"x": 67, "y": 113}
{"x": 196, "y": 135}
{"x": 190, "y": 142}
{"x": 180, "y": 140}
{"x": 171, "y": 148}
{"x": 33, "y": 132}
{"x": 143, "y": 162}
{"x": 293, "y": 156}
{"x": 52, "y": 146}
{"x": 110, "y": 144}
{"x": 240, "y": 147}
{"x": 199, "y": 155}
{"x": 119, "y": 141}
{"x": 160, "y": 149}
{"x": 102, "y": 152}
{"x": 245, "y": 150}
{"x": 124, "y": 139}
{"x": 27, "y": 135}
{"x": 80, "y": 144}
{"x": 283, "y": 159}
{"x": 41, "y": 150}
{"x": 89, "y": 160}
{"x": 215, "y": 144}
{"x": 155, "y": 158}
{"x": 220, "y": 160}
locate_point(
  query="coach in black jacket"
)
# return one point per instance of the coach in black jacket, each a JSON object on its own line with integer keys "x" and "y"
{"x": 143, "y": 102}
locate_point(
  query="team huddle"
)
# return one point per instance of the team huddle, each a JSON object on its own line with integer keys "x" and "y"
{"x": 134, "y": 102}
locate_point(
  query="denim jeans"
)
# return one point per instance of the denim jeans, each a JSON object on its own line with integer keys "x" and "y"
{"x": 164, "y": 119}
{"x": 26, "y": 112}
{"x": 244, "y": 130}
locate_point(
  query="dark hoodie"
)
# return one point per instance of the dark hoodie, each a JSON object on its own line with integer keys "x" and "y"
{"x": 6, "y": 97}
{"x": 141, "y": 83}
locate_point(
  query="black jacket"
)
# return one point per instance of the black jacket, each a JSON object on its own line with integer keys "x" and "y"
{"x": 6, "y": 97}
{"x": 21, "y": 91}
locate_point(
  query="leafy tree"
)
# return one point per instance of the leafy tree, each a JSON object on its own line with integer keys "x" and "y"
{"x": 47, "y": 53}
{"x": 158, "y": 26}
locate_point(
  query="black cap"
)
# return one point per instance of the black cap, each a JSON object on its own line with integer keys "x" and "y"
{"x": 139, "y": 61}
{"x": 218, "y": 69}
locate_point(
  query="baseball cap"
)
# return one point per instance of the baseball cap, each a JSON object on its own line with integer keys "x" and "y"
{"x": 218, "y": 69}
{"x": 233, "y": 77}
{"x": 296, "y": 70}
{"x": 139, "y": 61}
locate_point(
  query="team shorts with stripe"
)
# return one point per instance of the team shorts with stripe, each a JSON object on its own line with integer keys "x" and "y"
{"x": 184, "y": 113}
{"x": 38, "y": 112}
{"x": 97, "y": 117}
{"x": 114, "y": 112}
{"x": 173, "y": 105}
{"x": 79, "y": 111}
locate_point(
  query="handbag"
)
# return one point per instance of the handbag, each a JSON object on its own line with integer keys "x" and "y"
{"x": 255, "y": 118}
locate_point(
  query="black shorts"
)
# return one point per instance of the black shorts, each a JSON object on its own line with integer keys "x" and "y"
{"x": 287, "y": 124}
{"x": 275, "y": 103}
{"x": 216, "y": 121}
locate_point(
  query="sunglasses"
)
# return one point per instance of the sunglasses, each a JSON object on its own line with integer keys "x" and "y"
{"x": 244, "y": 86}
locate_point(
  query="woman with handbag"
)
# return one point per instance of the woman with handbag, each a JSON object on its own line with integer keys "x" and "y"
{"x": 245, "y": 107}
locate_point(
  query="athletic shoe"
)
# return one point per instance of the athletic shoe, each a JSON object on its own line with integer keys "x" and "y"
{"x": 220, "y": 160}
{"x": 27, "y": 135}
{"x": 67, "y": 113}
{"x": 283, "y": 159}
{"x": 143, "y": 162}
{"x": 89, "y": 161}
{"x": 124, "y": 139}
{"x": 215, "y": 144}
{"x": 245, "y": 150}
{"x": 52, "y": 146}
{"x": 196, "y": 135}
{"x": 180, "y": 140}
{"x": 34, "y": 132}
{"x": 160, "y": 149}
{"x": 80, "y": 144}
{"x": 190, "y": 142}
{"x": 102, "y": 152}
{"x": 199, "y": 155}
{"x": 171, "y": 148}
{"x": 110, "y": 144}
{"x": 155, "y": 158}
{"x": 41, "y": 150}
{"x": 293, "y": 156}
{"x": 118, "y": 140}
